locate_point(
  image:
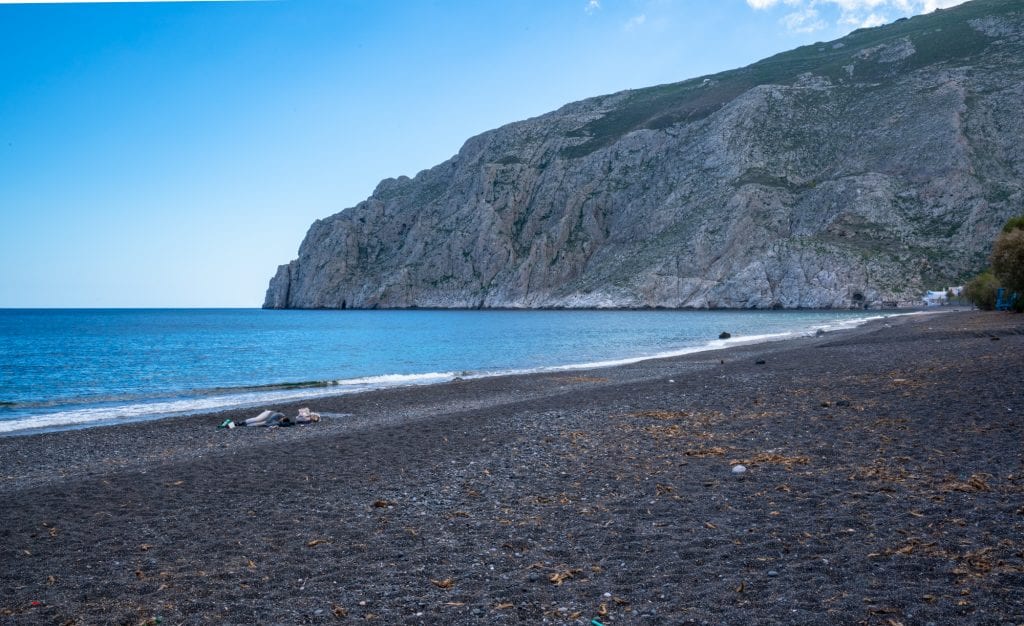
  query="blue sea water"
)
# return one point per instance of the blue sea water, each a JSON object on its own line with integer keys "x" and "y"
{"x": 74, "y": 368}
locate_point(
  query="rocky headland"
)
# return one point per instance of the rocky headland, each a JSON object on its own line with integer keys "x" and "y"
{"x": 857, "y": 172}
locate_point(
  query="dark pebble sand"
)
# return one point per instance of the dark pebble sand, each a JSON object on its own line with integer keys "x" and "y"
{"x": 884, "y": 485}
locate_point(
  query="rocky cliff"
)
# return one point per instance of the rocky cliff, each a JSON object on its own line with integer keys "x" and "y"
{"x": 851, "y": 173}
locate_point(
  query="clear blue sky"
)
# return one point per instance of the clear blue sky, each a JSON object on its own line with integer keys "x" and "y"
{"x": 173, "y": 154}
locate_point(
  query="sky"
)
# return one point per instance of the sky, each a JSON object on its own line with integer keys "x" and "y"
{"x": 173, "y": 154}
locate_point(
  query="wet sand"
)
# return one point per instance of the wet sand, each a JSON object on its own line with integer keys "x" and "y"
{"x": 884, "y": 484}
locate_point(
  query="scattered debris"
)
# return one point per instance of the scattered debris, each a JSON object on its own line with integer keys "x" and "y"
{"x": 563, "y": 574}
{"x": 977, "y": 482}
{"x": 772, "y": 458}
{"x": 701, "y": 453}
{"x": 661, "y": 415}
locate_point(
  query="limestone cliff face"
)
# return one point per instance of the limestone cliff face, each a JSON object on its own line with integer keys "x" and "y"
{"x": 851, "y": 173}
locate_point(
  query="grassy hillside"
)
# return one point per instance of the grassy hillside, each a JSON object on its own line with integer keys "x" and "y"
{"x": 944, "y": 36}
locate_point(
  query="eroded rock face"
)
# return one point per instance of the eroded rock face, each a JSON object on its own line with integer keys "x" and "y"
{"x": 854, "y": 173}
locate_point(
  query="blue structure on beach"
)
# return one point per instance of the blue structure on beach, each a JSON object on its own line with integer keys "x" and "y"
{"x": 1005, "y": 302}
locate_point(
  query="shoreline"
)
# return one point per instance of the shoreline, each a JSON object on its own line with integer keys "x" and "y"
{"x": 884, "y": 481}
{"x": 377, "y": 408}
{"x": 219, "y": 400}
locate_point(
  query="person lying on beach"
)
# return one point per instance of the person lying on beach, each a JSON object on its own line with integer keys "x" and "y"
{"x": 306, "y": 416}
{"x": 266, "y": 418}
{"x": 273, "y": 418}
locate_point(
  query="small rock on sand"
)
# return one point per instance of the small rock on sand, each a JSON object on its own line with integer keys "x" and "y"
{"x": 739, "y": 469}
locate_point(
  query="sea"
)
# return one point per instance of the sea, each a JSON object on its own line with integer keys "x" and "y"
{"x": 77, "y": 368}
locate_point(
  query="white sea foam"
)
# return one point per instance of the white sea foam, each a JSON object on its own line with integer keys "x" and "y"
{"x": 389, "y": 380}
{"x": 140, "y": 411}
{"x": 186, "y": 406}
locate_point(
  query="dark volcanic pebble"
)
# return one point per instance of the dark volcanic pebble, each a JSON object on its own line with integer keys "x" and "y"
{"x": 559, "y": 498}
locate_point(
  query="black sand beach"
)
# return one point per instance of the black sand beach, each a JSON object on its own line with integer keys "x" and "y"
{"x": 885, "y": 485}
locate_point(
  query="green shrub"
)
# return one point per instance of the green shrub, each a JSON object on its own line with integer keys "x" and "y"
{"x": 981, "y": 290}
{"x": 1008, "y": 259}
{"x": 1014, "y": 223}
